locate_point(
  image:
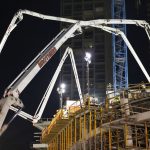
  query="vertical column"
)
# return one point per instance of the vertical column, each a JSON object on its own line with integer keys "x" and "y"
{"x": 136, "y": 137}
{"x": 105, "y": 144}
{"x": 146, "y": 136}
{"x": 62, "y": 142}
{"x": 80, "y": 128}
{"x": 90, "y": 128}
{"x": 117, "y": 139}
{"x": 49, "y": 146}
{"x": 52, "y": 145}
{"x": 84, "y": 126}
{"x": 68, "y": 136}
{"x": 95, "y": 128}
{"x": 55, "y": 144}
{"x": 64, "y": 139}
{"x": 101, "y": 132}
{"x": 110, "y": 138}
{"x": 84, "y": 144}
{"x": 75, "y": 130}
{"x": 71, "y": 135}
{"x": 126, "y": 113}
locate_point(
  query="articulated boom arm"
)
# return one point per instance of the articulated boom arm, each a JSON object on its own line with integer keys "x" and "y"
{"x": 118, "y": 32}
{"x": 11, "y": 99}
{"x": 11, "y": 94}
{"x": 46, "y": 96}
{"x": 19, "y": 17}
{"x": 19, "y": 84}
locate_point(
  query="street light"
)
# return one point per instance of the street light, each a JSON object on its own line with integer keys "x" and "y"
{"x": 60, "y": 91}
{"x": 88, "y": 60}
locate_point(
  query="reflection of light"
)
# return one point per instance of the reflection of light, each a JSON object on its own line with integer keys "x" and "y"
{"x": 88, "y": 57}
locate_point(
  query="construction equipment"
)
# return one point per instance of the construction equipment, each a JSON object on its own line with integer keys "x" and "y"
{"x": 11, "y": 94}
{"x": 11, "y": 99}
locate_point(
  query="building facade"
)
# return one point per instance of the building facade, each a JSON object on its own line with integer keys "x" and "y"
{"x": 92, "y": 40}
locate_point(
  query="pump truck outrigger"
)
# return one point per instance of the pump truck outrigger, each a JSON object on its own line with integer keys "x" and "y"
{"x": 11, "y": 98}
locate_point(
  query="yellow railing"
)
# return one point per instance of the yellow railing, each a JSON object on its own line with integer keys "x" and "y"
{"x": 57, "y": 117}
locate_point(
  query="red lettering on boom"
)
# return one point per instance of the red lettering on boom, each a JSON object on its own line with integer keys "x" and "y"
{"x": 46, "y": 57}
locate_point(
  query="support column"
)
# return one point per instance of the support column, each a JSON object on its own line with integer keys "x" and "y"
{"x": 75, "y": 132}
{"x": 110, "y": 139}
{"x": 126, "y": 112}
{"x": 95, "y": 129}
{"x": 146, "y": 136}
{"x": 90, "y": 129}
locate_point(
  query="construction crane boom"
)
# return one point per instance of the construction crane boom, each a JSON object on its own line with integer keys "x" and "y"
{"x": 18, "y": 17}
{"x": 11, "y": 99}
{"x": 45, "y": 98}
{"x": 19, "y": 84}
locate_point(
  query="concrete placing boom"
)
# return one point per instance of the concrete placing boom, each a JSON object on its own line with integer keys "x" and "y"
{"x": 44, "y": 100}
{"x": 119, "y": 32}
{"x": 11, "y": 99}
{"x": 11, "y": 94}
{"x": 19, "y": 17}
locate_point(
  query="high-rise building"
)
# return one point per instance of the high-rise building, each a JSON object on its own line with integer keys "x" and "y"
{"x": 148, "y": 10}
{"x": 92, "y": 40}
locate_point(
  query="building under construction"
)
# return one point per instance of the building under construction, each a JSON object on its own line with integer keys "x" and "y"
{"x": 122, "y": 122}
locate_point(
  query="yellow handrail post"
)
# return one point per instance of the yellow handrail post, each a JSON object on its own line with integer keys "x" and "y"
{"x": 110, "y": 137}
{"x": 146, "y": 136}
{"x": 80, "y": 132}
{"x": 84, "y": 126}
{"x": 75, "y": 130}
{"x": 71, "y": 135}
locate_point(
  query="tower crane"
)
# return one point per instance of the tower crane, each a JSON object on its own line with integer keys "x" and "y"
{"x": 11, "y": 98}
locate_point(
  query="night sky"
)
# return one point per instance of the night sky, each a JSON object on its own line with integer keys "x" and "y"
{"x": 26, "y": 41}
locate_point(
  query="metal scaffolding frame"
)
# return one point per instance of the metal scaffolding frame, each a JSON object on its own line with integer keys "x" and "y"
{"x": 119, "y": 48}
{"x": 122, "y": 122}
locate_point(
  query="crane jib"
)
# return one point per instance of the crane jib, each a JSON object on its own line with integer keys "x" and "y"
{"x": 46, "y": 57}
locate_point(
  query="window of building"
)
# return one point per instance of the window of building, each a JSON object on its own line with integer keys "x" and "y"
{"x": 87, "y": 44}
{"x": 99, "y": 46}
{"x": 68, "y": 6}
{"x": 88, "y": 34}
{"x": 77, "y": 44}
{"x": 88, "y": 6}
{"x": 77, "y": 7}
{"x": 88, "y": 14}
{"x": 66, "y": 1}
{"x": 99, "y": 38}
{"x": 68, "y": 9}
{"x": 67, "y": 12}
{"x": 77, "y": 1}
{"x": 99, "y": 58}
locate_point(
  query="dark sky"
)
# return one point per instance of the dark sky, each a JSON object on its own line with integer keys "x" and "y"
{"x": 139, "y": 40}
{"x": 23, "y": 45}
{"x": 25, "y": 42}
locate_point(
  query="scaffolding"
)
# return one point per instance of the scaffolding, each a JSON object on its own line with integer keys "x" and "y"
{"x": 122, "y": 122}
{"x": 120, "y": 59}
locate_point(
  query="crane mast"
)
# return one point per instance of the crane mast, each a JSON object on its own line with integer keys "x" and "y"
{"x": 119, "y": 48}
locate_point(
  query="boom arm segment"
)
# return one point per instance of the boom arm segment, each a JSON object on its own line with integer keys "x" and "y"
{"x": 5, "y": 104}
{"x": 119, "y": 32}
{"x": 45, "y": 98}
{"x": 24, "y": 78}
{"x": 19, "y": 16}
{"x": 19, "y": 84}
